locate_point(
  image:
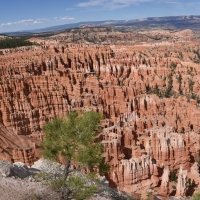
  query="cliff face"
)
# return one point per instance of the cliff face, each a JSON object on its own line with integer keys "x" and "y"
{"x": 148, "y": 93}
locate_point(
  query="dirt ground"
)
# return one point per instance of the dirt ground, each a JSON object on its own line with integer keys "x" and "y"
{"x": 17, "y": 189}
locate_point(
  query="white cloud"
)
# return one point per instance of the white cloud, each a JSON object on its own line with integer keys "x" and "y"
{"x": 63, "y": 18}
{"x": 43, "y": 19}
{"x": 24, "y": 22}
{"x": 92, "y": 3}
{"x": 69, "y": 9}
{"x": 37, "y": 22}
{"x": 111, "y": 4}
{"x": 117, "y": 4}
{"x": 180, "y": 4}
{"x": 192, "y": 4}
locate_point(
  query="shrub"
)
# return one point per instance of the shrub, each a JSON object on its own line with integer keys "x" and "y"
{"x": 172, "y": 176}
{"x": 75, "y": 138}
{"x": 36, "y": 197}
{"x": 196, "y": 196}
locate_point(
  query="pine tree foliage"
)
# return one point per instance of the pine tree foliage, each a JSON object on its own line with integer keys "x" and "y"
{"x": 80, "y": 191}
{"x": 14, "y": 42}
{"x": 75, "y": 138}
{"x": 196, "y": 196}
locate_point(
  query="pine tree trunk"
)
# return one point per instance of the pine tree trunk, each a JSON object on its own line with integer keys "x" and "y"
{"x": 65, "y": 192}
{"x": 67, "y": 166}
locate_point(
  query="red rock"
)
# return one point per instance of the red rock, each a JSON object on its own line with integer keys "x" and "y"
{"x": 142, "y": 133}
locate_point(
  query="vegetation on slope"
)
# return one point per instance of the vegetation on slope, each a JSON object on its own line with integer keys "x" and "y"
{"x": 14, "y": 42}
{"x": 75, "y": 139}
{"x": 196, "y": 196}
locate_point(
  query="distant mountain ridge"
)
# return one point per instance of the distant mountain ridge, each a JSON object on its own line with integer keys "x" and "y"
{"x": 172, "y": 22}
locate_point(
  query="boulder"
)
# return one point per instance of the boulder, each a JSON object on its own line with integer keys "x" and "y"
{"x": 5, "y": 168}
{"x": 48, "y": 166}
{"x": 20, "y": 170}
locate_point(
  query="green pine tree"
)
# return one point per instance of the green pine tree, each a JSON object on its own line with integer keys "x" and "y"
{"x": 75, "y": 138}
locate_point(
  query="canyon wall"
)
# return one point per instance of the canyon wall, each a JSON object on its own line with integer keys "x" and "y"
{"x": 149, "y": 95}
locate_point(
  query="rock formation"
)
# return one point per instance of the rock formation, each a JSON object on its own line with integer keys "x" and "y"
{"x": 182, "y": 181}
{"x": 165, "y": 181}
{"x": 148, "y": 93}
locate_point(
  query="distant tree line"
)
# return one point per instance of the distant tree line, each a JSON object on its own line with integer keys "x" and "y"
{"x": 14, "y": 42}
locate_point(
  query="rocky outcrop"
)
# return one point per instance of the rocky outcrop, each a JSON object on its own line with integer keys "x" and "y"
{"x": 148, "y": 93}
{"x": 18, "y": 181}
{"x": 5, "y": 168}
{"x": 165, "y": 181}
{"x": 182, "y": 182}
{"x": 16, "y": 148}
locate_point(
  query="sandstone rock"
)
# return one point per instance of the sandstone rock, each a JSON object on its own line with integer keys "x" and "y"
{"x": 48, "y": 166}
{"x": 195, "y": 169}
{"x": 5, "y": 168}
{"x": 182, "y": 181}
{"x": 16, "y": 147}
{"x": 142, "y": 133}
{"x": 20, "y": 170}
{"x": 165, "y": 181}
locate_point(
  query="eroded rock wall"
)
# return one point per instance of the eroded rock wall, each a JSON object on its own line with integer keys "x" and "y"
{"x": 145, "y": 92}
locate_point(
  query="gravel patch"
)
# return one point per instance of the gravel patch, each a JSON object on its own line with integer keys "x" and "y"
{"x": 19, "y": 182}
{"x": 18, "y": 189}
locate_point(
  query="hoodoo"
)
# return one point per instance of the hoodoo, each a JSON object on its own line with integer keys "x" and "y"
{"x": 147, "y": 89}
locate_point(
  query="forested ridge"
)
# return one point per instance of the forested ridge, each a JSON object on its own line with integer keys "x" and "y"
{"x": 14, "y": 42}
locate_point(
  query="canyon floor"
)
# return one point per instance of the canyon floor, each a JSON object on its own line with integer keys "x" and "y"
{"x": 145, "y": 83}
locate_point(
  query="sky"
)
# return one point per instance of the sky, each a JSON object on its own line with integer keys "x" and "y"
{"x": 18, "y": 15}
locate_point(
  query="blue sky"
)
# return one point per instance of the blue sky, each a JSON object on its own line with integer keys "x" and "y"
{"x": 18, "y": 15}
